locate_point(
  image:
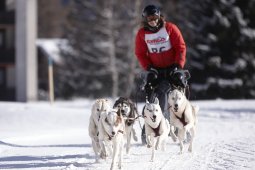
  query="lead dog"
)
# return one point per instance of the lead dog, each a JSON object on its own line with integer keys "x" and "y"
{"x": 129, "y": 112}
{"x": 99, "y": 107}
{"x": 183, "y": 117}
{"x": 156, "y": 126}
{"x": 111, "y": 130}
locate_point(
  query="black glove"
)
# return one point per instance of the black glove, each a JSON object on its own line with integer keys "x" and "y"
{"x": 150, "y": 81}
{"x": 173, "y": 68}
{"x": 180, "y": 78}
{"x": 152, "y": 76}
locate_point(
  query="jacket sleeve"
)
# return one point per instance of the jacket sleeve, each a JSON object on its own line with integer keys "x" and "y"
{"x": 179, "y": 45}
{"x": 141, "y": 51}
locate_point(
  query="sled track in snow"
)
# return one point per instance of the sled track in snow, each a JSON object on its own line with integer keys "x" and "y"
{"x": 233, "y": 155}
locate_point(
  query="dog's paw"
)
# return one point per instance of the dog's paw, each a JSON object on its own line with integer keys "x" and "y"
{"x": 149, "y": 146}
{"x": 180, "y": 153}
{"x": 157, "y": 147}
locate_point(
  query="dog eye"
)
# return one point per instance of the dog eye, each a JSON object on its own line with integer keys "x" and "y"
{"x": 98, "y": 110}
{"x": 156, "y": 110}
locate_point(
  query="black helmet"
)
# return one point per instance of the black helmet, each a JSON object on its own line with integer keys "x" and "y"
{"x": 151, "y": 10}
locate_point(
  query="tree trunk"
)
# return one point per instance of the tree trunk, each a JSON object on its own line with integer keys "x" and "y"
{"x": 133, "y": 61}
{"x": 112, "y": 53}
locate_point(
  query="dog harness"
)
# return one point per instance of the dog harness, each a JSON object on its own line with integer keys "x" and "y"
{"x": 182, "y": 119}
{"x": 156, "y": 130}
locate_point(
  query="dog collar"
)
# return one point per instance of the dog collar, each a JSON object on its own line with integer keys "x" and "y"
{"x": 110, "y": 137}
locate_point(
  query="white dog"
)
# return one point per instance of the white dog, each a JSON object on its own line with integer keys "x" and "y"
{"x": 183, "y": 117}
{"x": 129, "y": 112}
{"x": 99, "y": 107}
{"x": 157, "y": 126}
{"x": 111, "y": 130}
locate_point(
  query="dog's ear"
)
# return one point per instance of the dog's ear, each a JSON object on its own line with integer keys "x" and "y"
{"x": 156, "y": 101}
{"x": 118, "y": 101}
{"x": 147, "y": 101}
{"x": 183, "y": 91}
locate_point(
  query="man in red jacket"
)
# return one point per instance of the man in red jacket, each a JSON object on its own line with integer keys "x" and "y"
{"x": 161, "y": 51}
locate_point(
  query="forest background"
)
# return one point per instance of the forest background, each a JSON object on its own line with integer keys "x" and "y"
{"x": 98, "y": 57}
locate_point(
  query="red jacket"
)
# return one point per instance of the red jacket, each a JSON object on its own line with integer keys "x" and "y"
{"x": 160, "y": 49}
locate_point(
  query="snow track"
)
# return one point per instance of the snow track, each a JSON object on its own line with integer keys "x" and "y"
{"x": 42, "y": 137}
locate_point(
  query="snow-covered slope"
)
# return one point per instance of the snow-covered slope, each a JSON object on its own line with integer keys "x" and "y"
{"x": 39, "y": 136}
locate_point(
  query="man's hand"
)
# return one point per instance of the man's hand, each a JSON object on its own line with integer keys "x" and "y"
{"x": 178, "y": 76}
{"x": 152, "y": 76}
{"x": 173, "y": 68}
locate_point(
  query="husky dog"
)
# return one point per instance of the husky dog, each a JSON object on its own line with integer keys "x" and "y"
{"x": 157, "y": 126}
{"x": 112, "y": 130}
{"x": 129, "y": 112}
{"x": 183, "y": 117}
{"x": 99, "y": 107}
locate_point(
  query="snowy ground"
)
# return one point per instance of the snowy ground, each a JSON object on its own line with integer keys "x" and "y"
{"x": 39, "y": 136}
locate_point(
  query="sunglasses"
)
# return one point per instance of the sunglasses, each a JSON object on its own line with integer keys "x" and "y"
{"x": 152, "y": 18}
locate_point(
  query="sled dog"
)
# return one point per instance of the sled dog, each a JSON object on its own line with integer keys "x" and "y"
{"x": 129, "y": 112}
{"x": 99, "y": 107}
{"x": 157, "y": 126}
{"x": 112, "y": 130}
{"x": 183, "y": 116}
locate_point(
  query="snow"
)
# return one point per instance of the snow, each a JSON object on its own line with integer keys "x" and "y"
{"x": 233, "y": 83}
{"x": 40, "y": 136}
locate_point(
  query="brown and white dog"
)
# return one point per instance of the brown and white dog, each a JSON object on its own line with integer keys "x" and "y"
{"x": 129, "y": 112}
{"x": 157, "y": 126}
{"x": 99, "y": 107}
{"x": 111, "y": 135}
{"x": 183, "y": 116}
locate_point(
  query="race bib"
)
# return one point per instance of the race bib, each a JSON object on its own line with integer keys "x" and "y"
{"x": 158, "y": 42}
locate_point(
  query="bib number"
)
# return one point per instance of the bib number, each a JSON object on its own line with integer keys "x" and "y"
{"x": 157, "y": 50}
